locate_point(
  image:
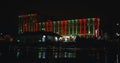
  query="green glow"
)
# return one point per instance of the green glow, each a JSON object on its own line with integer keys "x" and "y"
{"x": 69, "y": 26}
{"x": 72, "y": 26}
{"x": 43, "y": 26}
{"x": 54, "y": 26}
{"x": 88, "y": 19}
{"x": 58, "y": 26}
{"x": 89, "y": 26}
{"x": 76, "y": 24}
{"x": 19, "y": 16}
{"x": 40, "y": 26}
{"x": 29, "y": 15}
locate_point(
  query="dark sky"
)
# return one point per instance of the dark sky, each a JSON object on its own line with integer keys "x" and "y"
{"x": 108, "y": 11}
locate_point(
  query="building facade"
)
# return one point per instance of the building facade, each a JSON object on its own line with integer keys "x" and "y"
{"x": 86, "y": 27}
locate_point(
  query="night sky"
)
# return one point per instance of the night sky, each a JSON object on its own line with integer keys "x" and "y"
{"x": 108, "y": 11}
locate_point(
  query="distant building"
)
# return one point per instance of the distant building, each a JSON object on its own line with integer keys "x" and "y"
{"x": 86, "y": 27}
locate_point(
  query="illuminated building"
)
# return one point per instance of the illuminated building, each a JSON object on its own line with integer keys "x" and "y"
{"x": 28, "y": 23}
{"x": 83, "y": 26}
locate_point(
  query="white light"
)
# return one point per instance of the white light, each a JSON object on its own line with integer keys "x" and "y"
{"x": 43, "y": 55}
{"x": 117, "y": 34}
{"x": 44, "y": 36}
{"x": 1, "y": 33}
{"x": 56, "y": 39}
{"x": 65, "y": 39}
{"x": 56, "y": 55}
{"x": 43, "y": 39}
{"x": 60, "y": 38}
{"x": 117, "y": 24}
{"x": 18, "y": 40}
{"x": 89, "y": 32}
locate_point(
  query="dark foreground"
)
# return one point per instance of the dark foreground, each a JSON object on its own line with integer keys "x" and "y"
{"x": 78, "y": 52}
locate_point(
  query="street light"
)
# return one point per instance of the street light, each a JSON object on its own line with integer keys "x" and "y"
{"x": 117, "y": 34}
{"x": 117, "y": 24}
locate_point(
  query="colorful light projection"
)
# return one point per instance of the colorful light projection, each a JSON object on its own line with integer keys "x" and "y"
{"x": 84, "y": 26}
{"x": 28, "y": 23}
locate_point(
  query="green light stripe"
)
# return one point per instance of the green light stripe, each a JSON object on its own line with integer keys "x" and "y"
{"x": 54, "y": 26}
{"x": 88, "y": 26}
{"x": 76, "y": 26}
{"x": 72, "y": 26}
{"x": 69, "y": 26}
{"x": 58, "y": 26}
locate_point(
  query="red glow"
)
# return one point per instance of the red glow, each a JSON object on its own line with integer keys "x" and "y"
{"x": 51, "y": 26}
{"x": 35, "y": 14}
{"x": 95, "y": 19}
{"x": 85, "y": 27}
{"x": 26, "y": 27}
{"x": 36, "y": 26}
{"x": 65, "y": 27}
{"x": 80, "y": 22}
{"x": 46, "y": 23}
{"x": 61, "y": 26}
{"x": 25, "y": 15}
{"x": 23, "y": 26}
{"x": 98, "y": 28}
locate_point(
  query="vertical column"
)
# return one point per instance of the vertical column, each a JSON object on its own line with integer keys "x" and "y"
{"x": 76, "y": 25}
{"x": 46, "y": 26}
{"x": 39, "y": 26}
{"x": 32, "y": 24}
{"x": 96, "y": 27}
{"x": 65, "y": 26}
{"x": 29, "y": 24}
{"x": 51, "y": 26}
{"x": 88, "y": 25}
{"x": 93, "y": 24}
{"x": 84, "y": 27}
{"x": 26, "y": 27}
{"x": 69, "y": 26}
{"x": 23, "y": 26}
{"x": 34, "y": 27}
{"x": 36, "y": 24}
{"x": 54, "y": 28}
{"x": 43, "y": 26}
{"x": 72, "y": 26}
{"x": 98, "y": 19}
{"x": 80, "y": 23}
{"x": 19, "y": 24}
{"x": 58, "y": 26}
{"x": 61, "y": 27}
